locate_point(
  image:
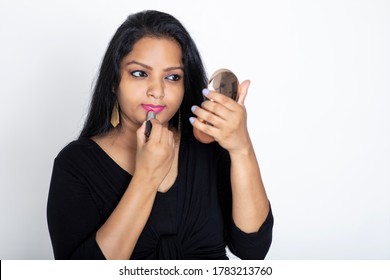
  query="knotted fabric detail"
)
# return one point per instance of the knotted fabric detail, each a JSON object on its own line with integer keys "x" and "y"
{"x": 169, "y": 248}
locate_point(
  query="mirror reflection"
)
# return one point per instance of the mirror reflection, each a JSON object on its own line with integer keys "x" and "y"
{"x": 224, "y": 81}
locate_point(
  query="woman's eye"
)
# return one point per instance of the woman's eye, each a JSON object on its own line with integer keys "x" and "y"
{"x": 139, "y": 74}
{"x": 174, "y": 77}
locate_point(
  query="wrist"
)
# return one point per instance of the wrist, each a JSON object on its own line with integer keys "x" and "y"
{"x": 146, "y": 180}
{"x": 245, "y": 149}
{"x": 244, "y": 152}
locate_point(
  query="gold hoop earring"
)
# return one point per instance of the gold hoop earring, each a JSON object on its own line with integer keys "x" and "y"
{"x": 115, "y": 114}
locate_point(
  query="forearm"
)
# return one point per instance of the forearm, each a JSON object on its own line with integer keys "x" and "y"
{"x": 119, "y": 234}
{"x": 250, "y": 202}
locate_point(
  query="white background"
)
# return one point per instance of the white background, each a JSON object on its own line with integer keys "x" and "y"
{"x": 318, "y": 110}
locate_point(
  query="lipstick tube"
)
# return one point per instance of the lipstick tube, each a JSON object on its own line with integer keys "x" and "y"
{"x": 148, "y": 129}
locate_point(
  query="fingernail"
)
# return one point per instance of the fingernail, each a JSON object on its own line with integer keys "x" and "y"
{"x": 205, "y": 91}
{"x": 193, "y": 108}
{"x": 192, "y": 120}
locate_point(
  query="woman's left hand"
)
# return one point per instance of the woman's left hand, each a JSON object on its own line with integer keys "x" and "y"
{"x": 227, "y": 117}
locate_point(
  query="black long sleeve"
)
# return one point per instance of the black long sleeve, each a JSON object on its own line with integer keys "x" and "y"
{"x": 73, "y": 216}
{"x": 247, "y": 246}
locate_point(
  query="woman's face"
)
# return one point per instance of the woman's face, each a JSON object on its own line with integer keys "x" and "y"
{"x": 151, "y": 80}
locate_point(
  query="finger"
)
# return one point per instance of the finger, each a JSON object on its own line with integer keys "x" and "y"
{"x": 155, "y": 134}
{"x": 205, "y": 128}
{"x": 217, "y": 109}
{"x": 141, "y": 138}
{"x": 219, "y": 98}
{"x": 207, "y": 116}
{"x": 243, "y": 91}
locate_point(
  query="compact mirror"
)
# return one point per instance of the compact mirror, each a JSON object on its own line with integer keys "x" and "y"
{"x": 224, "y": 81}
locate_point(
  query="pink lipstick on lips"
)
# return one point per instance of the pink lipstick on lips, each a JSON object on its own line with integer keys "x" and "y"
{"x": 155, "y": 108}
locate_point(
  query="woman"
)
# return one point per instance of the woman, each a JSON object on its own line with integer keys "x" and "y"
{"x": 118, "y": 194}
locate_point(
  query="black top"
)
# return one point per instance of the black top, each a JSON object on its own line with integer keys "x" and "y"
{"x": 192, "y": 220}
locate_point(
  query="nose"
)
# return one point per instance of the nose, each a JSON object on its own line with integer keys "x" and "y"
{"x": 156, "y": 89}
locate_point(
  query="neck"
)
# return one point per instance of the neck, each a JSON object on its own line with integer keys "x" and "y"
{"x": 124, "y": 136}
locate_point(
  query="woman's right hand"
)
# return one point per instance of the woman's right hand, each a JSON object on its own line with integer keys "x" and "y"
{"x": 155, "y": 154}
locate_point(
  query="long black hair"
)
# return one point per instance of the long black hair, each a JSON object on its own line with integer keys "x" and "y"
{"x": 152, "y": 24}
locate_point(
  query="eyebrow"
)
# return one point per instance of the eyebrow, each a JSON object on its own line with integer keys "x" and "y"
{"x": 150, "y": 67}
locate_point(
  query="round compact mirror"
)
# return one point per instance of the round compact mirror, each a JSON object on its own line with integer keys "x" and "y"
{"x": 224, "y": 81}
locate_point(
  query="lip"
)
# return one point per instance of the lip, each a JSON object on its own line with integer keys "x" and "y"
{"x": 155, "y": 108}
